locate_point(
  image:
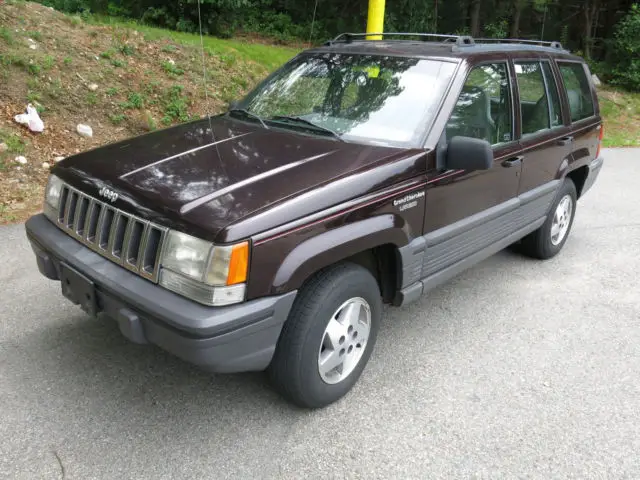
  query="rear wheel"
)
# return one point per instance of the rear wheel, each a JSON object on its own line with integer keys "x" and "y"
{"x": 549, "y": 239}
{"x": 329, "y": 335}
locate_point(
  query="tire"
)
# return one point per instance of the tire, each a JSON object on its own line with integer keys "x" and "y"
{"x": 545, "y": 243}
{"x": 306, "y": 339}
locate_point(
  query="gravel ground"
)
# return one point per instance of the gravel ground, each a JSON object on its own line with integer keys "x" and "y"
{"x": 515, "y": 369}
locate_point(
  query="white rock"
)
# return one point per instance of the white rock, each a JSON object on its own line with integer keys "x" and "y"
{"x": 596, "y": 81}
{"x": 21, "y": 160}
{"x": 172, "y": 61}
{"x": 84, "y": 130}
{"x": 31, "y": 40}
{"x": 93, "y": 87}
{"x": 45, "y": 165}
{"x": 58, "y": 159}
{"x": 97, "y": 58}
{"x": 3, "y": 147}
{"x": 33, "y": 46}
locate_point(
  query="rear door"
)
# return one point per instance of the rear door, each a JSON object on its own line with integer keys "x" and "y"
{"x": 545, "y": 134}
{"x": 584, "y": 115}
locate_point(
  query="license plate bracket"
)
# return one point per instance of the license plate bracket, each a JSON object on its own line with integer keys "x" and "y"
{"x": 79, "y": 289}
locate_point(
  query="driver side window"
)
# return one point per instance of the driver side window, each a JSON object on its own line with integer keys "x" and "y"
{"x": 484, "y": 107}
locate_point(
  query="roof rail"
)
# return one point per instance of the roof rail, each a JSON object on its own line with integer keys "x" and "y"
{"x": 557, "y": 45}
{"x": 459, "y": 40}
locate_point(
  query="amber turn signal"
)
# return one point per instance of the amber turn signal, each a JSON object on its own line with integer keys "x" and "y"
{"x": 238, "y": 264}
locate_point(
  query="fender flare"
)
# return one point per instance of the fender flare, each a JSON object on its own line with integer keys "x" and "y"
{"x": 337, "y": 244}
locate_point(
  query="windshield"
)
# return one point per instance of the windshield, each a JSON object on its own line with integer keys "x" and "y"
{"x": 367, "y": 98}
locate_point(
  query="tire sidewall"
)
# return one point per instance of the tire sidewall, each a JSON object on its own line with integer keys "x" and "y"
{"x": 567, "y": 188}
{"x": 355, "y": 284}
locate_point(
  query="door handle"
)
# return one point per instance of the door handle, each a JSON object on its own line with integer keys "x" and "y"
{"x": 513, "y": 162}
{"x": 564, "y": 141}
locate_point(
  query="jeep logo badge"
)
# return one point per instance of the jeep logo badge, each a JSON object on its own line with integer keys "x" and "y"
{"x": 109, "y": 194}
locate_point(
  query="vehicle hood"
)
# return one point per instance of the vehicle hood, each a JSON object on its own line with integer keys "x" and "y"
{"x": 203, "y": 175}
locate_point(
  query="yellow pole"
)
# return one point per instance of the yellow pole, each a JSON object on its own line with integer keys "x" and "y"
{"x": 375, "y": 20}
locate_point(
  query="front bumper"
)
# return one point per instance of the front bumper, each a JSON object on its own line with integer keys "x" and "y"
{"x": 236, "y": 338}
{"x": 594, "y": 170}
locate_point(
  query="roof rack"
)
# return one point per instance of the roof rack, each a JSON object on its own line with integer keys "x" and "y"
{"x": 458, "y": 40}
{"x": 425, "y": 37}
{"x": 541, "y": 43}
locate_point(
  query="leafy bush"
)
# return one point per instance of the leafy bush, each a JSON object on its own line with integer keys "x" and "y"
{"x": 625, "y": 51}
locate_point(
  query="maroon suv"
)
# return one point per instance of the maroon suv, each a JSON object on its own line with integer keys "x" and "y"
{"x": 360, "y": 172}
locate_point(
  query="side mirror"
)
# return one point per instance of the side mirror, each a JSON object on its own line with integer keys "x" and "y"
{"x": 233, "y": 104}
{"x": 466, "y": 153}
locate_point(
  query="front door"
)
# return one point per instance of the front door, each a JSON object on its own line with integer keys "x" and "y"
{"x": 465, "y": 211}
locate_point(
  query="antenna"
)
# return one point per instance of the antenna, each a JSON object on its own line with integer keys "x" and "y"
{"x": 313, "y": 21}
{"x": 204, "y": 78}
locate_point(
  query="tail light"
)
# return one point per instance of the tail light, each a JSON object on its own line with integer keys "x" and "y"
{"x": 600, "y": 137}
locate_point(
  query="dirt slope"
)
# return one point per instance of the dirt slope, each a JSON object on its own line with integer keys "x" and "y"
{"x": 116, "y": 79}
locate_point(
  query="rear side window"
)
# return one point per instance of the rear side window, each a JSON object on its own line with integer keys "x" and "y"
{"x": 534, "y": 103}
{"x": 578, "y": 90}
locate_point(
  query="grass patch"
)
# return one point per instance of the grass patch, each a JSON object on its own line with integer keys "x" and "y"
{"x": 117, "y": 118}
{"x": 118, "y": 63}
{"x": 112, "y": 91}
{"x": 621, "y": 115}
{"x": 34, "y": 68}
{"x": 135, "y": 100}
{"x": 67, "y": 61}
{"x": 48, "y": 62}
{"x": 176, "y": 105}
{"x": 15, "y": 144}
{"x": 126, "y": 49}
{"x": 169, "y": 48}
{"x": 32, "y": 96}
{"x": 92, "y": 98}
{"x": 35, "y": 35}
{"x": 107, "y": 55}
{"x": 268, "y": 56}
{"x": 7, "y": 36}
{"x": 172, "y": 68}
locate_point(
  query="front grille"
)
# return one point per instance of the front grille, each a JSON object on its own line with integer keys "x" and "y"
{"x": 127, "y": 240}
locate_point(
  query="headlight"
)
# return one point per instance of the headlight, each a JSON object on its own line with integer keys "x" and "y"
{"x": 52, "y": 197}
{"x": 186, "y": 254}
{"x": 209, "y": 274}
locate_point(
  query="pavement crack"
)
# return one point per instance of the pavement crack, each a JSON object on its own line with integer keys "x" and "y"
{"x": 623, "y": 225}
{"x": 60, "y": 463}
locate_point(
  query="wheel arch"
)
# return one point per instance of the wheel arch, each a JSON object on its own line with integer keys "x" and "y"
{"x": 372, "y": 243}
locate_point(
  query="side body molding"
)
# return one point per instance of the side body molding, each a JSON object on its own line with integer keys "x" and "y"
{"x": 336, "y": 244}
{"x": 430, "y": 260}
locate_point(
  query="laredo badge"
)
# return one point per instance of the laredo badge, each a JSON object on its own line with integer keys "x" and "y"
{"x": 408, "y": 201}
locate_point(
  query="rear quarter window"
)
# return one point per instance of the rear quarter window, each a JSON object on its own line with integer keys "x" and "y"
{"x": 578, "y": 89}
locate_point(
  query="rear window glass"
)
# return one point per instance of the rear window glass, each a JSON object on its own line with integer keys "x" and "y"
{"x": 578, "y": 90}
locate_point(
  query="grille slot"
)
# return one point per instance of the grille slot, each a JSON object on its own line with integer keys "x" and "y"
{"x": 151, "y": 251}
{"x": 63, "y": 203}
{"x": 94, "y": 216}
{"x": 136, "y": 232}
{"x": 104, "y": 227}
{"x": 119, "y": 229}
{"x": 70, "y": 214}
{"x": 123, "y": 238}
{"x": 81, "y": 215}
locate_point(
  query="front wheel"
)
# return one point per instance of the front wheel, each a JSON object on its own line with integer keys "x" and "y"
{"x": 549, "y": 239}
{"x": 327, "y": 340}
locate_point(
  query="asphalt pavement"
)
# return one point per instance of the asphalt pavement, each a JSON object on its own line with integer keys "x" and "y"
{"x": 515, "y": 369}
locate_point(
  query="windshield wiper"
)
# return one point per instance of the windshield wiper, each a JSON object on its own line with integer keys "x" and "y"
{"x": 249, "y": 114}
{"x": 308, "y": 123}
